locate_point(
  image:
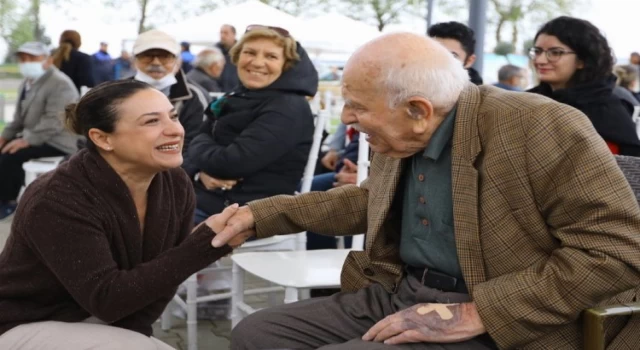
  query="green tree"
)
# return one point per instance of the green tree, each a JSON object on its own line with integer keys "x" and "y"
{"x": 21, "y": 33}
{"x": 7, "y": 16}
{"x": 504, "y": 49}
{"x": 384, "y": 12}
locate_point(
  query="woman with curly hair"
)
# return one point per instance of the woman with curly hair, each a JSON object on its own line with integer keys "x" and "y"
{"x": 574, "y": 64}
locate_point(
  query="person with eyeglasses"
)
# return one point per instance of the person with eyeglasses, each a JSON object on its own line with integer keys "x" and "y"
{"x": 256, "y": 140}
{"x": 156, "y": 60}
{"x": 574, "y": 64}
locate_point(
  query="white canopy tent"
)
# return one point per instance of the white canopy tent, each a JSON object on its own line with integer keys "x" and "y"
{"x": 204, "y": 29}
{"x": 335, "y": 33}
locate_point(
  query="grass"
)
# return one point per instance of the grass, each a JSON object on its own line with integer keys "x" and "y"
{"x": 9, "y": 70}
{"x": 9, "y": 94}
{"x": 1, "y": 126}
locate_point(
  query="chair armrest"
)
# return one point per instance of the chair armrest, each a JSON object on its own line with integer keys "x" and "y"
{"x": 594, "y": 322}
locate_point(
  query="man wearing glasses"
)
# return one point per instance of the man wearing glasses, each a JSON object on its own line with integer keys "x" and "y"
{"x": 157, "y": 65}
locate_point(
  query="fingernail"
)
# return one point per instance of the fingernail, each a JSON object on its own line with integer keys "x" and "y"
{"x": 235, "y": 205}
{"x": 365, "y": 336}
{"x": 215, "y": 243}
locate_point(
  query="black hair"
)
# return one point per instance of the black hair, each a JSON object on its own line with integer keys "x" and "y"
{"x": 98, "y": 108}
{"x": 588, "y": 43}
{"x": 456, "y": 31}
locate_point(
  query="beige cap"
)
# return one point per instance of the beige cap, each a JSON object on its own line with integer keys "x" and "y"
{"x": 155, "y": 39}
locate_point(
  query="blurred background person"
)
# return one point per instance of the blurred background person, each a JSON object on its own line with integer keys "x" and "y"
{"x": 574, "y": 64}
{"x": 626, "y": 86}
{"x": 229, "y": 78}
{"x": 263, "y": 129}
{"x": 36, "y": 130}
{"x": 156, "y": 61}
{"x": 75, "y": 64}
{"x": 102, "y": 64}
{"x": 510, "y": 77}
{"x": 186, "y": 57}
{"x": 635, "y": 59}
{"x": 123, "y": 66}
{"x": 207, "y": 69}
{"x": 460, "y": 40}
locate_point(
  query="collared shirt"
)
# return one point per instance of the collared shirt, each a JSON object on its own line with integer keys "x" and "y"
{"x": 428, "y": 238}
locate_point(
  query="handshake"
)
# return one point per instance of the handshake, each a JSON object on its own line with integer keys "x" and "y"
{"x": 233, "y": 226}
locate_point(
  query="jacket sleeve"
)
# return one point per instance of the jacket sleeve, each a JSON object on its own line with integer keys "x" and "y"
{"x": 266, "y": 139}
{"x": 191, "y": 118}
{"x": 337, "y": 212}
{"x": 50, "y": 124}
{"x": 590, "y": 210}
{"x": 12, "y": 129}
{"x": 76, "y": 249}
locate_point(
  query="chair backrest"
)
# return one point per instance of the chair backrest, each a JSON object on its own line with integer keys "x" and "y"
{"x": 630, "y": 167}
{"x": 310, "y": 168}
{"x": 363, "y": 173}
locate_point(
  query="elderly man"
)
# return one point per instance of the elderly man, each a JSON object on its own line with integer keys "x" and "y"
{"x": 37, "y": 129}
{"x": 208, "y": 67}
{"x": 510, "y": 78}
{"x": 229, "y": 78}
{"x": 492, "y": 218}
{"x": 156, "y": 61}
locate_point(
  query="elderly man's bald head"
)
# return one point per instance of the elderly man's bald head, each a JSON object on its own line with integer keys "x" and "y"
{"x": 402, "y": 65}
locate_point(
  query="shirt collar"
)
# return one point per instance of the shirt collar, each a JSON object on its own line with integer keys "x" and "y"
{"x": 441, "y": 136}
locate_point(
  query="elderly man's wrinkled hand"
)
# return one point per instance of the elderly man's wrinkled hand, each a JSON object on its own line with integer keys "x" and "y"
{"x": 428, "y": 323}
{"x": 237, "y": 230}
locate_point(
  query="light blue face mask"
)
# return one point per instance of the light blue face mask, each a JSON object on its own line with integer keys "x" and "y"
{"x": 31, "y": 70}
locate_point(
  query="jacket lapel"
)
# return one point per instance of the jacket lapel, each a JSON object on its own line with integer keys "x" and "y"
{"x": 466, "y": 148}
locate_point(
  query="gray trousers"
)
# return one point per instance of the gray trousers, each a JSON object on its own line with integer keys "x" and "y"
{"x": 338, "y": 322}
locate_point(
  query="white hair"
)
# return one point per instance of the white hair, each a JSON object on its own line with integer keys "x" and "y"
{"x": 441, "y": 84}
{"x": 207, "y": 57}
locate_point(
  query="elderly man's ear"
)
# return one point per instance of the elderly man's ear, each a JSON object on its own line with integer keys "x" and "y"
{"x": 420, "y": 111}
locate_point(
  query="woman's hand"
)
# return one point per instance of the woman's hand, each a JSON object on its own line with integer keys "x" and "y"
{"x": 211, "y": 183}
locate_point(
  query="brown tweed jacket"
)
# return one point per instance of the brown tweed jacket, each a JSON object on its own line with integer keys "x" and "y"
{"x": 545, "y": 223}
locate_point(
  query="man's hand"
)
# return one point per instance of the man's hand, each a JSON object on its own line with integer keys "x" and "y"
{"x": 218, "y": 222}
{"x": 330, "y": 159}
{"x": 3, "y": 141}
{"x": 14, "y": 146}
{"x": 428, "y": 323}
{"x": 348, "y": 175}
{"x": 238, "y": 228}
{"x": 211, "y": 183}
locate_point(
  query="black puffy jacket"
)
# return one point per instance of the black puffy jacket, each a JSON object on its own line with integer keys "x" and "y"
{"x": 260, "y": 137}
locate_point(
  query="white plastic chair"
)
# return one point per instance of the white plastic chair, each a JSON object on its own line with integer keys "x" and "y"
{"x": 277, "y": 243}
{"x": 295, "y": 270}
{"x": 36, "y": 167}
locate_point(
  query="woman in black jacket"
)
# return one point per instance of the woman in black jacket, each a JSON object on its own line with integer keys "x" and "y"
{"x": 257, "y": 139}
{"x": 70, "y": 61}
{"x": 574, "y": 64}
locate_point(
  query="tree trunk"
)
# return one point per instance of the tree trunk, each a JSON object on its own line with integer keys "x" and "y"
{"x": 501, "y": 22}
{"x": 514, "y": 33}
{"x": 143, "y": 15}
{"x": 35, "y": 11}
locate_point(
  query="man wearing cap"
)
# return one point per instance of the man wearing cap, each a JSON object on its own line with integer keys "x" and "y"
{"x": 156, "y": 59}
{"x": 36, "y": 130}
{"x": 186, "y": 56}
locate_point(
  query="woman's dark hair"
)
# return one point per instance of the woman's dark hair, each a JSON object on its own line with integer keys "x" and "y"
{"x": 98, "y": 108}
{"x": 590, "y": 46}
{"x": 69, "y": 40}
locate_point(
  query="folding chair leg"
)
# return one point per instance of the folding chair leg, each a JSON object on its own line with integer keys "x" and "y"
{"x": 273, "y": 300}
{"x": 237, "y": 294}
{"x": 165, "y": 319}
{"x": 192, "y": 312}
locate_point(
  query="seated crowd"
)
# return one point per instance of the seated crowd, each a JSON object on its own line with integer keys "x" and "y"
{"x": 493, "y": 218}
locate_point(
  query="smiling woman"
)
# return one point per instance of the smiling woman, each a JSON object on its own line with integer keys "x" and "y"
{"x": 99, "y": 246}
{"x": 256, "y": 139}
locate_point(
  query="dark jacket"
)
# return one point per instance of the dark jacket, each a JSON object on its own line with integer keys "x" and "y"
{"x": 79, "y": 68}
{"x": 628, "y": 99}
{"x": 190, "y": 102}
{"x": 474, "y": 76}
{"x": 260, "y": 137}
{"x": 102, "y": 67}
{"x": 203, "y": 79}
{"x": 229, "y": 77}
{"x": 76, "y": 249}
{"x": 607, "y": 113}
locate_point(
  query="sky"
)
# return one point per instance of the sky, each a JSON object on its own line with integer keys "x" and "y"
{"x": 616, "y": 18}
